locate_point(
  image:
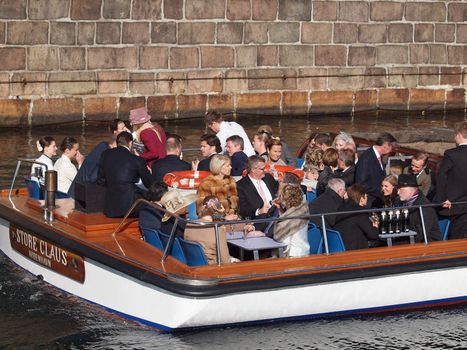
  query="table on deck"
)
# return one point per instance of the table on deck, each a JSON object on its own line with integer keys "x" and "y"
{"x": 254, "y": 244}
{"x": 389, "y": 236}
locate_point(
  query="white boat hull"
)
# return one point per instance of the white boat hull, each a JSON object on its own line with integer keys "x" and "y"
{"x": 164, "y": 310}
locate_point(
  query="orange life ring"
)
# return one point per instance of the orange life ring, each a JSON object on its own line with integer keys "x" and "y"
{"x": 187, "y": 179}
{"x": 280, "y": 170}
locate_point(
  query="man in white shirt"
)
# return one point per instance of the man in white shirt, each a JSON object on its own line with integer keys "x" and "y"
{"x": 225, "y": 129}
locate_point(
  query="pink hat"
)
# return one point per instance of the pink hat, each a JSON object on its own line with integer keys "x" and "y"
{"x": 139, "y": 116}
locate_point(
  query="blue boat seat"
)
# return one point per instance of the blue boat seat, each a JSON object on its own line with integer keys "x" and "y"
{"x": 152, "y": 237}
{"x": 194, "y": 253}
{"x": 37, "y": 192}
{"x": 444, "y": 227}
{"x": 314, "y": 237}
{"x": 192, "y": 215}
{"x": 176, "y": 251}
{"x": 34, "y": 188}
{"x": 335, "y": 242}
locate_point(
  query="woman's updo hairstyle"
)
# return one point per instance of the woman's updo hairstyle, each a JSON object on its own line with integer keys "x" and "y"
{"x": 68, "y": 143}
{"x": 44, "y": 142}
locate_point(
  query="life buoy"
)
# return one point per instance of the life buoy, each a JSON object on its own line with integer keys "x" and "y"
{"x": 187, "y": 179}
{"x": 280, "y": 170}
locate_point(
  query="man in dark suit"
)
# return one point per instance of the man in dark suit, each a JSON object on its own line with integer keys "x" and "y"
{"x": 346, "y": 167}
{"x": 171, "y": 162}
{"x": 256, "y": 191}
{"x": 370, "y": 171}
{"x": 210, "y": 146}
{"x": 328, "y": 202}
{"x": 89, "y": 171}
{"x": 120, "y": 171}
{"x": 452, "y": 183}
{"x": 234, "y": 147}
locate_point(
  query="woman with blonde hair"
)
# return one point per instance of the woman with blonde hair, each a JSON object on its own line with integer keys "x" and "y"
{"x": 274, "y": 148}
{"x": 292, "y": 232}
{"x": 314, "y": 157}
{"x": 260, "y": 140}
{"x": 219, "y": 184}
{"x": 389, "y": 189}
{"x": 287, "y": 156}
{"x": 342, "y": 140}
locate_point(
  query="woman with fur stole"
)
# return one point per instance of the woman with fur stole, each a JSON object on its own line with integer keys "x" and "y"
{"x": 219, "y": 184}
{"x": 293, "y": 232}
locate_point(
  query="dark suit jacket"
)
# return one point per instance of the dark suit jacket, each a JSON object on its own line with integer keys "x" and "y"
{"x": 167, "y": 164}
{"x": 249, "y": 198}
{"x": 120, "y": 170}
{"x": 348, "y": 175}
{"x": 429, "y": 216}
{"x": 328, "y": 202}
{"x": 88, "y": 173}
{"x": 356, "y": 229}
{"x": 452, "y": 179}
{"x": 368, "y": 173}
{"x": 239, "y": 160}
{"x": 205, "y": 163}
{"x": 323, "y": 179}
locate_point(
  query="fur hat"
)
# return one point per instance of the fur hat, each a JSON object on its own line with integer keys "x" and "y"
{"x": 174, "y": 200}
{"x": 406, "y": 180}
{"x": 139, "y": 116}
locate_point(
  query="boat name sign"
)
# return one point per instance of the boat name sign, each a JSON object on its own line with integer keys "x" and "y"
{"x": 47, "y": 253}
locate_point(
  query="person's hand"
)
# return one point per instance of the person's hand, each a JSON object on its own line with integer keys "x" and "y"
{"x": 194, "y": 165}
{"x": 276, "y": 202}
{"x": 264, "y": 209}
{"x": 248, "y": 228}
{"x": 79, "y": 158}
{"x": 447, "y": 204}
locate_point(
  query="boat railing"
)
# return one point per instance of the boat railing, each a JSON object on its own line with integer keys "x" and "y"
{"x": 179, "y": 219}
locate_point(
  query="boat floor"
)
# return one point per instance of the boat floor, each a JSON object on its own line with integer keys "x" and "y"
{"x": 95, "y": 230}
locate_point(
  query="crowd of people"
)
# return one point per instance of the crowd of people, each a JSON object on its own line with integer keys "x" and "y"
{"x": 132, "y": 165}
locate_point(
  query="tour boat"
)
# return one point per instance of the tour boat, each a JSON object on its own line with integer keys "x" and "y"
{"x": 105, "y": 262}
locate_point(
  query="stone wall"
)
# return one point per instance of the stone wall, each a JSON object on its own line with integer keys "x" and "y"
{"x": 63, "y": 60}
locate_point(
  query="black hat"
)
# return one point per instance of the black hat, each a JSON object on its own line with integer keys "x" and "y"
{"x": 407, "y": 180}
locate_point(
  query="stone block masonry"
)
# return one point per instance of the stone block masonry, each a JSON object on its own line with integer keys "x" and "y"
{"x": 72, "y": 60}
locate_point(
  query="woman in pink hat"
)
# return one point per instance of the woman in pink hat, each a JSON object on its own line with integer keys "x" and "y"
{"x": 151, "y": 135}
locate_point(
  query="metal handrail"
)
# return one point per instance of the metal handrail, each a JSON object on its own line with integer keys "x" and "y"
{"x": 18, "y": 165}
{"x": 272, "y": 219}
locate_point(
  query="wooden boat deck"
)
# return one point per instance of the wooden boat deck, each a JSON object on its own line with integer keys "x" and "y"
{"x": 95, "y": 230}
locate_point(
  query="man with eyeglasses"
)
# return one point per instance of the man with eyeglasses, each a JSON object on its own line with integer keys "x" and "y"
{"x": 256, "y": 191}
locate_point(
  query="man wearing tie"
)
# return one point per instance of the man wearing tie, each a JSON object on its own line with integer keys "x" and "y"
{"x": 370, "y": 171}
{"x": 256, "y": 191}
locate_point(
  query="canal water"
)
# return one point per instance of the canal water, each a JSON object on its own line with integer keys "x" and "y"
{"x": 34, "y": 315}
